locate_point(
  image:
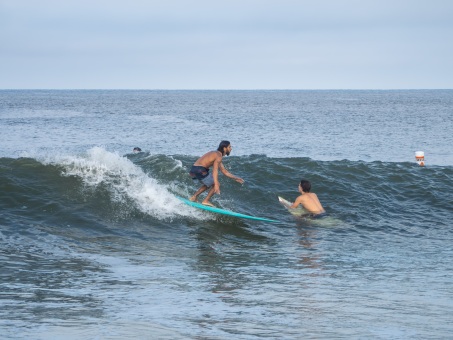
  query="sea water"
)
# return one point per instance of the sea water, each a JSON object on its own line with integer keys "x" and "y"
{"x": 95, "y": 245}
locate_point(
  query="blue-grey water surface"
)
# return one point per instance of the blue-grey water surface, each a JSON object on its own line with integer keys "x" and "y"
{"x": 95, "y": 245}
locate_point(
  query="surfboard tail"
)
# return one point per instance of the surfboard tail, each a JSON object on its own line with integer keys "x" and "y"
{"x": 223, "y": 211}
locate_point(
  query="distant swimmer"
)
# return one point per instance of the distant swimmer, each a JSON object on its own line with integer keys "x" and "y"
{"x": 200, "y": 172}
{"x": 137, "y": 150}
{"x": 309, "y": 200}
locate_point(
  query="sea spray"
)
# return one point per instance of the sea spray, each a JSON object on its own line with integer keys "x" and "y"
{"x": 126, "y": 182}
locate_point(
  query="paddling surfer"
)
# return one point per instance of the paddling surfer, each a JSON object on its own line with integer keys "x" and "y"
{"x": 309, "y": 200}
{"x": 200, "y": 171}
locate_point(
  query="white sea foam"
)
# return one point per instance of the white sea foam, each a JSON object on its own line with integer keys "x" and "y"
{"x": 126, "y": 181}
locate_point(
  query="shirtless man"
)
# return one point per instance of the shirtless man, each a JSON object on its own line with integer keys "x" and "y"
{"x": 309, "y": 200}
{"x": 200, "y": 171}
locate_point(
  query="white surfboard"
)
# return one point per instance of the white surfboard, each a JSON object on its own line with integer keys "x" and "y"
{"x": 328, "y": 221}
{"x": 299, "y": 211}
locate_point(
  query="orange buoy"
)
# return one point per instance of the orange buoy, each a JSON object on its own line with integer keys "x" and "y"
{"x": 420, "y": 158}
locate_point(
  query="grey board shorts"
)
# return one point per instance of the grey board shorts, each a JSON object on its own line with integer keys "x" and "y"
{"x": 202, "y": 174}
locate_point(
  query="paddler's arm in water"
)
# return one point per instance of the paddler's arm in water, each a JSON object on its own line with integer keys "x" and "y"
{"x": 297, "y": 202}
{"x": 229, "y": 174}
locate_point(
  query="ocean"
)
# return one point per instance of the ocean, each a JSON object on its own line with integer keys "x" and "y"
{"x": 95, "y": 244}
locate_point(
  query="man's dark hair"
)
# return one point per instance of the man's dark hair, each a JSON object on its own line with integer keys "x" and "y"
{"x": 223, "y": 144}
{"x": 305, "y": 185}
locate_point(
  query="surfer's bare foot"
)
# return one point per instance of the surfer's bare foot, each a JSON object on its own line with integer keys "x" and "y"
{"x": 193, "y": 199}
{"x": 209, "y": 204}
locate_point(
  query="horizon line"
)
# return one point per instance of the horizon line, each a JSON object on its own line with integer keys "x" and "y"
{"x": 220, "y": 89}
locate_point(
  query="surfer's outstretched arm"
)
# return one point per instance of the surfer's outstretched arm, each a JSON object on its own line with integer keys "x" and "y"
{"x": 229, "y": 174}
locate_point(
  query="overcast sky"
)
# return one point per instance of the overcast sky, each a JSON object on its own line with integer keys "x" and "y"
{"x": 230, "y": 44}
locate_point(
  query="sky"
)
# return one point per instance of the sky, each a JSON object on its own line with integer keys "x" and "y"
{"x": 234, "y": 44}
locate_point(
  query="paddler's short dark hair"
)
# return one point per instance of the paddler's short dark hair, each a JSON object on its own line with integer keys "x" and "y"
{"x": 305, "y": 185}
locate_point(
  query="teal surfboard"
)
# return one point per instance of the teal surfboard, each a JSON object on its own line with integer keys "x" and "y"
{"x": 223, "y": 211}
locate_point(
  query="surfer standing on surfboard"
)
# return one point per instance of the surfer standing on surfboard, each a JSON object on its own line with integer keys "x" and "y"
{"x": 200, "y": 172}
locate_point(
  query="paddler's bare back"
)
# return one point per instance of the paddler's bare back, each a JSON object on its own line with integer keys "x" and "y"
{"x": 311, "y": 202}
